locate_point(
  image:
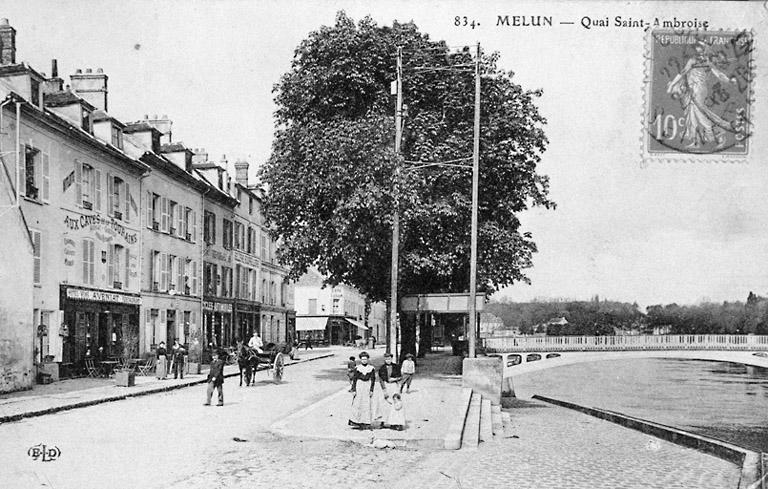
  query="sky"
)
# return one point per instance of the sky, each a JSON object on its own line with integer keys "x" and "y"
{"x": 625, "y": 229}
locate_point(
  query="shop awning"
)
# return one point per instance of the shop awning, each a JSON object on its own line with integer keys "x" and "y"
{"x": 311, "y": 323}
{"x": 358, "y": 324}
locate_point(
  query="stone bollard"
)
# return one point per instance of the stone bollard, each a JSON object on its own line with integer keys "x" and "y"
{"x": 484, "y": 376}
{"x": 507, "y": 393}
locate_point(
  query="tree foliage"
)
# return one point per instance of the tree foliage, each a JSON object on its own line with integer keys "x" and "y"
{"x": 331, "y": 174}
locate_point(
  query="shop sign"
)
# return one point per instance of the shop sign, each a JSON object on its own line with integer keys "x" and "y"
{"x": 246, "y": 259}
{"x": 69, "y": 252}
{"x": 217, "y": 306}
{"x": 217, "y": 255}
{"x": 99, "y": 296}
{"x": 105, "y": 228}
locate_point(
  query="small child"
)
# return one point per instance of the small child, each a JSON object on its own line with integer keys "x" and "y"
{"x": 351, "y": 366}
{"x": 396, "y": 418}
{"x": 408, "y": 370}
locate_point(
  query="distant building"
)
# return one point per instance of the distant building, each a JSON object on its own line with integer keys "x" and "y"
{"x": 490, "y": 323}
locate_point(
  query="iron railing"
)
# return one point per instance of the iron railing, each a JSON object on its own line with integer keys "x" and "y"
{"x": 622, "y": 343}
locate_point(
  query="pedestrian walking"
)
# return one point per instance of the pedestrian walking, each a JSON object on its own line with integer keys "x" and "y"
{"x": 216, "y": 378}
{"x": 396, "y": 417}
{"x": 408, "y": 370}
{"x": 162, "y": 366}
{"x": 308, "y": 342}
{"x": 178, "y": 359}
{"x": 351, "y": 366}
{"x": 363, "y": 383}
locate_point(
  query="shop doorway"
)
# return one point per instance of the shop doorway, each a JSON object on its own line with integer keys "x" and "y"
{"x": 170, "y": 327}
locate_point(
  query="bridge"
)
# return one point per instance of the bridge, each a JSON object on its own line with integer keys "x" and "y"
{"x": 523, "y": 354}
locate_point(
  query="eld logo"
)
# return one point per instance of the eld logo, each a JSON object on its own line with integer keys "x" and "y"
{"x": 44, "y": 453}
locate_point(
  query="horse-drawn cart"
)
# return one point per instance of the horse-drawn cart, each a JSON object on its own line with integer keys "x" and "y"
{"x": 272, "y": 355}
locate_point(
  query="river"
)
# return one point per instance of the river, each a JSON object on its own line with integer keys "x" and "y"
{"x": 722, "y": 400}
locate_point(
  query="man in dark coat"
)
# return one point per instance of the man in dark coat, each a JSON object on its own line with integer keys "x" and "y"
{"x": 178, "y": 359}
{"x": 216, "y": 379}
{"x": 389, "y": 376}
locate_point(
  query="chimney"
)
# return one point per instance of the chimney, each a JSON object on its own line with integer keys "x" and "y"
{"x": 7, "y": 43}
{"x": 54, "y": 83}
{"x": 162, "y": 124}
{"x": 241, "y": 172}
{"x": 91, "y": 86}
{"x": 200, "y": 157}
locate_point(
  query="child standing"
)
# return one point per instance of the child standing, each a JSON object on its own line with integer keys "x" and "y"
{"x": 351, "y": 366}
{"x": 396, "y": 418}
{"x": 408, "y": 370}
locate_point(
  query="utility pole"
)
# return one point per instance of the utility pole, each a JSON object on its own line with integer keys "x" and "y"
{"x": 472, "y": 329}
{"x": 392, "y": 330}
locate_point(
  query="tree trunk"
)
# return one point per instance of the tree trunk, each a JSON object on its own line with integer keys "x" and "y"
{"x": 425, "y": 335}
{"x": 389, "y": 328}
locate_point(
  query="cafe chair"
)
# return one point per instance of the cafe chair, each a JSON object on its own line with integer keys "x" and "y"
{"x": 148, "y": 368}
{"x": 91, "y": 368}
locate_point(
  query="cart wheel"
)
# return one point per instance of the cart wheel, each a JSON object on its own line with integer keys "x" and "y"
{"x": 277, "y": 371}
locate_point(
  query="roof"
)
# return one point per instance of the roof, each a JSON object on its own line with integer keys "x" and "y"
{"x": 174, "y": 148}
{"x": 19, "y": 68}
{"x": 140, "y": 126}
{"x": 63, "y": 98}
{"x": 206, "y": 166}
{"x": 100, "y": 115}
{"x": 160, "y": 163}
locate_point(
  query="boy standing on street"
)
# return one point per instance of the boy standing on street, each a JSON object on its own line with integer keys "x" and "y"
{"x": 216, "y": 379}
{"x": 178, "y": 359}
{"x": 408, "y": 370}
{"x": 351, "y": 366}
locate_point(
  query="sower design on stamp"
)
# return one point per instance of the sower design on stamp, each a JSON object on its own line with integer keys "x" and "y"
{"x": 699, "y": 94}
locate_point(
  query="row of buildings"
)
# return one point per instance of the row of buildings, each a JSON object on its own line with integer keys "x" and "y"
{"x": 116, "y": 237}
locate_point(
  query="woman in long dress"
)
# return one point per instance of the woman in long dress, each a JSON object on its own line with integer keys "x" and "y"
{"x": 363, "y": 383}
{"x": 161, "y": 368}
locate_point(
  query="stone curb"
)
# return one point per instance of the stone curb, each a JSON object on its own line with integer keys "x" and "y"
{"x": 155, "y": 390}
{"x": 747, "y": 460}
{"x": 452, "y": 440}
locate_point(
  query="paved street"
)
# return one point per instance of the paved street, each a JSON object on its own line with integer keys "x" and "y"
{"x": 171, "y": 440}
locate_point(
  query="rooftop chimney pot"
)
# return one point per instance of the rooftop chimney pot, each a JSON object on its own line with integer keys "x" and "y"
{"x": 54, "y": 68}
{"x": 78, "y": 71}
{"x": 4, "y": 21}
{"x": 154, "y": 116}
{"x": 7, "y": 43}
{"x": 88, "y": 70}
{"x": 100, "y": 70}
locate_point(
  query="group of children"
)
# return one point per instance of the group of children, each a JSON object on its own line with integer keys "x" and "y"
{"x": 392, "y": 377}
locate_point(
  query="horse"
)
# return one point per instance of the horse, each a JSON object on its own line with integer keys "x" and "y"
{"x": 247, "y": 361}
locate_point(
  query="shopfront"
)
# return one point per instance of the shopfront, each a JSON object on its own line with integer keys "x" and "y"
{"x": 246, "y": 320}
{"x": 217, "y": 327}
{"x": 101, "y": 324}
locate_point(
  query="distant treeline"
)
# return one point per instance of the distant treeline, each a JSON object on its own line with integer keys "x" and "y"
{"x": 603, "y": 317}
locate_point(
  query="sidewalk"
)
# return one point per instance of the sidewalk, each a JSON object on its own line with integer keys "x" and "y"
{"x": 430, "y": 408}
{"x": 81, "y": 392}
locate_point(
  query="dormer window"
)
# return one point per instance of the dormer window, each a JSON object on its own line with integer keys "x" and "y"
{"x": 86, "y": 120}
{"x": 35, "y": 92}
{"x": 117, "y": 137}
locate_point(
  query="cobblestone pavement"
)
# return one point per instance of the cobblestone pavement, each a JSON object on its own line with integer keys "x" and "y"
{"x": 552, "y": 447}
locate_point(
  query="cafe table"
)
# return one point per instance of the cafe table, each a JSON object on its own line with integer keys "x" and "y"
{"x": 108, "y": 367}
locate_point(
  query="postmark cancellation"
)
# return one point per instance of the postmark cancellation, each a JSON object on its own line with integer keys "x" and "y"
{"x": 698, "y": 94}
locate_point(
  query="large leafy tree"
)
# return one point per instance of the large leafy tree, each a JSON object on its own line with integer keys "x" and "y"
{"x": 331, "y": 174}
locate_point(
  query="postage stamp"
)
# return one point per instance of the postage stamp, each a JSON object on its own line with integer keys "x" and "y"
{"x": 698, "y": 95}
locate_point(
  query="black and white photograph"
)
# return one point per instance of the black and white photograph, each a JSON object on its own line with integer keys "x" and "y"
{"x": 353, "y": 244}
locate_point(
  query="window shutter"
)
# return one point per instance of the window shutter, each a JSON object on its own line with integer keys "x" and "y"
{"x": 97, "y": 186}
{"x": 193, "y": 289}
{"x": 149, "y": 210}
{"x": 46, "y": 177}
{"x": 85, "y": 261}
{"x": 110, "y": 194}
{"x": 110, "y": 266}
{"x": 162, "y": 317}
{"x": 180, "y": 219}
{"x": 78, "y": 183}
{"x": 127, "y": 216}
{"x": 91, "y": 260}
{"x": 164, "y": 272}
{"x": 181, "y": 267}
{"x": 194, "y": 226}
{"x": 23, "y": 173}
{"x": 164, "y": 224}
{"x": 37, "y": 254}
{"x": 127, "y": 282}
